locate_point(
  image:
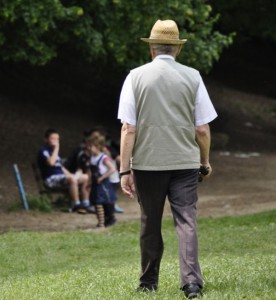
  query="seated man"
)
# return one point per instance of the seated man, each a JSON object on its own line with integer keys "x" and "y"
{"x": 55, "y": 175}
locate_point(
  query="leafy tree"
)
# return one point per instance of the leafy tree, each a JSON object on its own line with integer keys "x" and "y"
{"x": 105, "y": 30}
{"x": 32, "y": 30}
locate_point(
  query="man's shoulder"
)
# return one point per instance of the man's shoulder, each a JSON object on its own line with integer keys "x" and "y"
{"x": 187, "y": 68}
{"x": 188, "y": 72}
{"x": 141, "y": 68}
{"x": 172, "y": 62}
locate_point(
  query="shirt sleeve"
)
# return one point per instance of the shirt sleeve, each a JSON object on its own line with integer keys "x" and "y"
{"x": 127, "y": 108}
{"x": 204, "y": 109}
{"x": 45, "y": 154}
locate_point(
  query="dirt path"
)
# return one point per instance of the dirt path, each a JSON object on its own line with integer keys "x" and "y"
{"x": 242, "y": 183}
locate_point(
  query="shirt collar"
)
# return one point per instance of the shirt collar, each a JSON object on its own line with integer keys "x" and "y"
{"x": 164, "y": 56}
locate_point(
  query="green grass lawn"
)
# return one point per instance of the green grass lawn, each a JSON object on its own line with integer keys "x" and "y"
{"x": 237, "y": 254}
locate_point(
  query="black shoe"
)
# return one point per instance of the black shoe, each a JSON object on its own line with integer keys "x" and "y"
{"x": 76, "y": 207}
{"x": 110, "y": 221}
{"x": 192, "y": 290}
{"x": 145, "y": 288}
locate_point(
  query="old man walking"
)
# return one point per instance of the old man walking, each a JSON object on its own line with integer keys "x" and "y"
{"x": 165, "y": 110}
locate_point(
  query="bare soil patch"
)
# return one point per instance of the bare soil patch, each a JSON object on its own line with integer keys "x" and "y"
{"x": 240, "y": 184}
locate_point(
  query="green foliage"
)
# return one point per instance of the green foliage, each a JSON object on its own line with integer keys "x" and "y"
{"x": 36, "y": 203}
{"x": 40, "y": 203}
{"x": 33, "y": 32}
{"x": 14, "y": 206}
{"x": 194, "y": 21}
{"x": 105, "y": 30}
{"x": 236, "y": 259}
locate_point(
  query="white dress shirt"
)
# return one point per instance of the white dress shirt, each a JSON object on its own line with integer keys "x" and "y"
{"x": 204, "y": 109}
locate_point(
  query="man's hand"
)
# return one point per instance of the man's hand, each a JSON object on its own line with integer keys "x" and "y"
{"x": 127, "y": 185}
{"x": 207, "y": 166}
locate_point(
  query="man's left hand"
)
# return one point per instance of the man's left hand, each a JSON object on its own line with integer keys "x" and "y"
{"x": 209, "y": 168}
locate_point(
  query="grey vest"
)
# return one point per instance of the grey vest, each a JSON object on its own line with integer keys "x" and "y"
{"x": 165, "y": 93}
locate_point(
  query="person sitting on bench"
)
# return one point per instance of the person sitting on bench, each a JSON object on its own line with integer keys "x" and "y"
{"x": 56, "y": 176}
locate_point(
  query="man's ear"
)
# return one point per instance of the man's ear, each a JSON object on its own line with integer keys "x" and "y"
{"x": 152, "y": 52}
{"x": 179, "y": 50}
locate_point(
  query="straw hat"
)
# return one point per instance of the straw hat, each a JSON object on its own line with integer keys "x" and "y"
{"x": 164, "y": 32}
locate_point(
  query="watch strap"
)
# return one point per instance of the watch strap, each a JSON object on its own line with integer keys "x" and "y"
{"x": 124, "y": 173}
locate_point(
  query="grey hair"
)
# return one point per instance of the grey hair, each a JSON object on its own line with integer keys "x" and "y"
{"x": 165, "y": 49}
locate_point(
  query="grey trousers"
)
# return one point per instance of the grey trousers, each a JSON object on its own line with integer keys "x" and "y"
{"x": 152, "y": 188}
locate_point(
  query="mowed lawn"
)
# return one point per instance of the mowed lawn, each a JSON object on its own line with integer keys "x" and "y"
{"x": 237, "y": 254}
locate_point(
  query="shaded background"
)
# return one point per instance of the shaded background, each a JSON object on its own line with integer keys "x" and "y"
{"x": 73, "y": 94}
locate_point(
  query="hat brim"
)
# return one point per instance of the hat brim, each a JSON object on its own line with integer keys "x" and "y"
{"x": 164, "y": 41}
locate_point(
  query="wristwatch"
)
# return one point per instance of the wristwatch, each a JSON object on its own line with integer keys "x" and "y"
{"x": 124, "y": 173}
